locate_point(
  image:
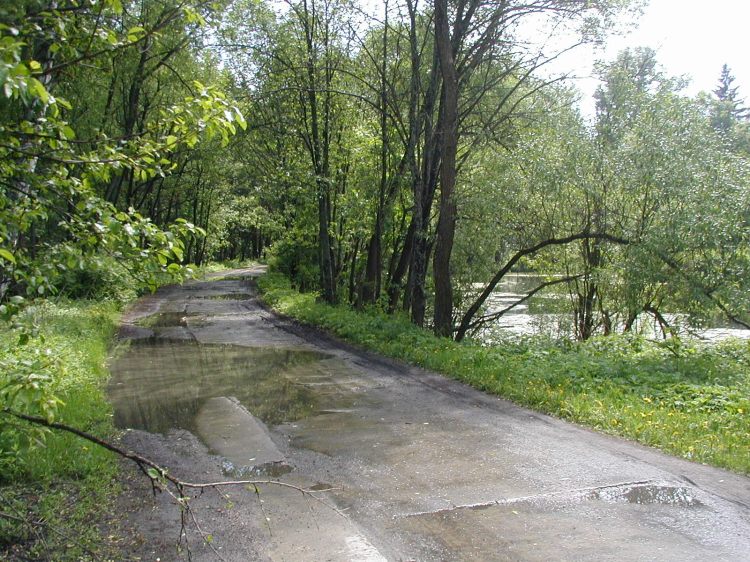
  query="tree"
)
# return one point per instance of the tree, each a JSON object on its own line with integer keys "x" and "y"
{"x": 630, "y": 215}
{"x": 728, "y": 114}
{"x": 666, "y": 159}
{"x": 417, "y": 91}
{"x": 477, "y": 36}
{"x": 528, "y": 207}
{"x": 54, "y": 221}
{"x": 729, "y": 108}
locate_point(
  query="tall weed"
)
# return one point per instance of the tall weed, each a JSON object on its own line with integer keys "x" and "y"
{"x": 56, "y": 477}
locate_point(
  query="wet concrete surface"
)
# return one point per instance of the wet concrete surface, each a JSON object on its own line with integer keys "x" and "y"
{"x": 419, "y": 467}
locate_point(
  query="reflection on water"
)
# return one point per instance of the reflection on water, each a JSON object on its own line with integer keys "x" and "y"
{"x": 217, "y": 391}
{"x": 544, "y": 313}
{"x": 164, "y": 320}
{"x": 648, "y": 494}
{"x": 547, "y": 313}
{"x": 160, "y": 385}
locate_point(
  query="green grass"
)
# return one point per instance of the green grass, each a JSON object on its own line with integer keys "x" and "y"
{"x": 67, "y": 483}
{"x": 691, "y": 400}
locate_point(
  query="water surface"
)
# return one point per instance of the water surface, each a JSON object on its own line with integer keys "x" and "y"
{"x": 160, "y": 385}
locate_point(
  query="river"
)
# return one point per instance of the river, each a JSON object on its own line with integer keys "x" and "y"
{"x": 545, "y": 314}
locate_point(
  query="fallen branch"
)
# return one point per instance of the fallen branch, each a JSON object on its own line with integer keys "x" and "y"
{"x": 160, "y": 479}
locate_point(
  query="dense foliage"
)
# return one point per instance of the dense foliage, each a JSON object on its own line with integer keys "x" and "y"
{"x": 88, "y": 128}
{"x": 379, "y": 166}
{"x": 373, "y": 190}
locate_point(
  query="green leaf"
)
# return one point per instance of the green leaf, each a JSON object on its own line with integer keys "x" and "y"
{"x": 38, "y": 89}
{"x": 6, "y": 255}
{"x": 177, "y": 251}
{"x": 114, "y": 5}
{"x": 240, "y": 119}
{"x": 135, "y": 33}
{"x": 21, "y": 70}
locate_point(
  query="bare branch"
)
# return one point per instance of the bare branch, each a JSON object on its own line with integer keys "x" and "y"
{"x": 474, "y": 308}
{"x": 482, "y": 320}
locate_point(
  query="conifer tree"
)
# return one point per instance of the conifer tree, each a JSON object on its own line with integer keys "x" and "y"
{"x": 728, "y": 107}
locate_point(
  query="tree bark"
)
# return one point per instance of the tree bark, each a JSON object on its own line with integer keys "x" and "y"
{"x": 319, "y": 153}
{"x": 443, "y": 314}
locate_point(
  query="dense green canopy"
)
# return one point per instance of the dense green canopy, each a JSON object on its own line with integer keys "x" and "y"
{"x": 406, "y": 159}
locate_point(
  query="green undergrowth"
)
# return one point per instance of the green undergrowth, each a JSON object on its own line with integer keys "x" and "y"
{"x": 53, "y": 492}
{"x": 690, "y": 399}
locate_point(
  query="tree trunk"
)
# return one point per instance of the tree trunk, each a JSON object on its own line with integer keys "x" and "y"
{"x": 373, "y": 268}
{"x": 327, "y": 282}
{"x": 318, "y": 148}
{"x": 443, "y": 315}
{"x": 395, "y": 285}
{"x": 353, "y": 274}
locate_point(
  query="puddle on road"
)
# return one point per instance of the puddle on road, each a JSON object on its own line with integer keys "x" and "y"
{"x": 583, "y": 526}
{"x": 246, "y": 278}
{"x": 647, "y": 494}
{"x": 267, "y": 470}
{"x": 158, "y": 385}
{"x": 169, "y": 320}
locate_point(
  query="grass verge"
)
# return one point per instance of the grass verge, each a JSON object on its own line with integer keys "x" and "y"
{"x": 52, "y": 496}
{"x": 689, "y": 399}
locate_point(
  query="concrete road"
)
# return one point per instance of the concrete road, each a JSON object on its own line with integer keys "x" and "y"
{"x": 418, "y": 467}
